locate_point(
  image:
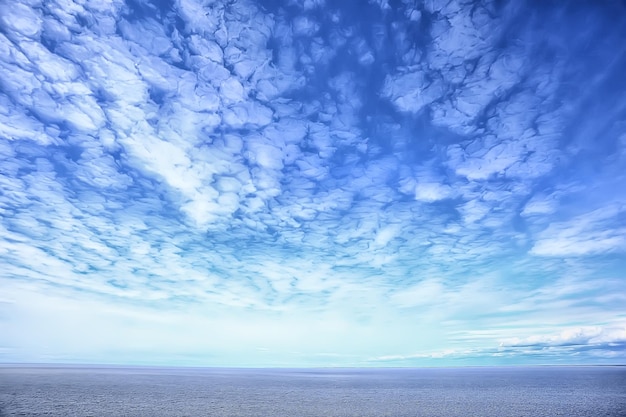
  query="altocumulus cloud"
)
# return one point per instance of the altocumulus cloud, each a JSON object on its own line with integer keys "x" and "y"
{"x": 312, "y": 182}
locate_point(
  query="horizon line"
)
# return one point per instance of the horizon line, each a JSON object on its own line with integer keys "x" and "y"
{"x": 209, "y": 367}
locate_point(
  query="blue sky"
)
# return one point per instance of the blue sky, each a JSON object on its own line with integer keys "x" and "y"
{"x": 312, "y": 183}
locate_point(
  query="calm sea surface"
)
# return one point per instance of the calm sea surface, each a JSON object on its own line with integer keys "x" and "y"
{"x": 515, "y": 392}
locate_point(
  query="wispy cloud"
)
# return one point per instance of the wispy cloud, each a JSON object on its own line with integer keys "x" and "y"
{"x": 573, "y": 337}
{"x": 329, "y": 182}
{"x": 573, "y": 345}
{"x": 598, "y": 231}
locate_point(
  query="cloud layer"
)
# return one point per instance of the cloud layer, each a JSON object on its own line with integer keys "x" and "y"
{"x": 310, "y": 183}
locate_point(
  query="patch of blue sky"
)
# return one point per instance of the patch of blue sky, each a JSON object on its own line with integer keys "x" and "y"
{"x": 312, "y": 183}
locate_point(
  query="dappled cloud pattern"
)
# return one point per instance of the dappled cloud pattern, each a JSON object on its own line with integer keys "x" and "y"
{"x": 311, "y": 182}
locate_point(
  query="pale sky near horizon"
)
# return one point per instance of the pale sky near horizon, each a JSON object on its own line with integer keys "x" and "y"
{"x": 312, "y": 182}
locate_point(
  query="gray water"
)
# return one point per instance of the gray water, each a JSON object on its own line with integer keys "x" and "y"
{"x": 514, "y": 392}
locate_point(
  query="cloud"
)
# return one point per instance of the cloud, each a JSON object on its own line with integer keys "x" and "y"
{"x": 572, "y": 337}
{"x": 539, "y": 205}
{"x": 425, "y": 292}
{"x": 432, "y": 192}
{"x": 574, "y": 345}
{"x": 583, "y": 235}
{"x": 412, "y": 91}
{"x": 410, "y": 176}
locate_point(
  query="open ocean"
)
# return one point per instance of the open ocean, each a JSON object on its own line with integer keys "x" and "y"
{"x": 515, "y": 392}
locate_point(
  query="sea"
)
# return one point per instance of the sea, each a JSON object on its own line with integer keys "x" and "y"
{"x": 443, "y": 392}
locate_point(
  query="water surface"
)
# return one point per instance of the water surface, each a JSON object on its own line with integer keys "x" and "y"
{"x": 505, "y": 392}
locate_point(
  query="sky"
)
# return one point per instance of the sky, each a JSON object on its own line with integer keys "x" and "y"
{"x": 312, "y": 183}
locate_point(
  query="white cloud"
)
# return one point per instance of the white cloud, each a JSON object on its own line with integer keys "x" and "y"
{"x": 296, "y": 176}
{"x": 412, "y": 91}
{"x": 540, "y": 205}
{"x": 425, "y": 292}
{"x": 572, "y": 336}
{"x": 429, "y": 191}
{"x": 22, "y": 20}
{"x": 583, "y": 235}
